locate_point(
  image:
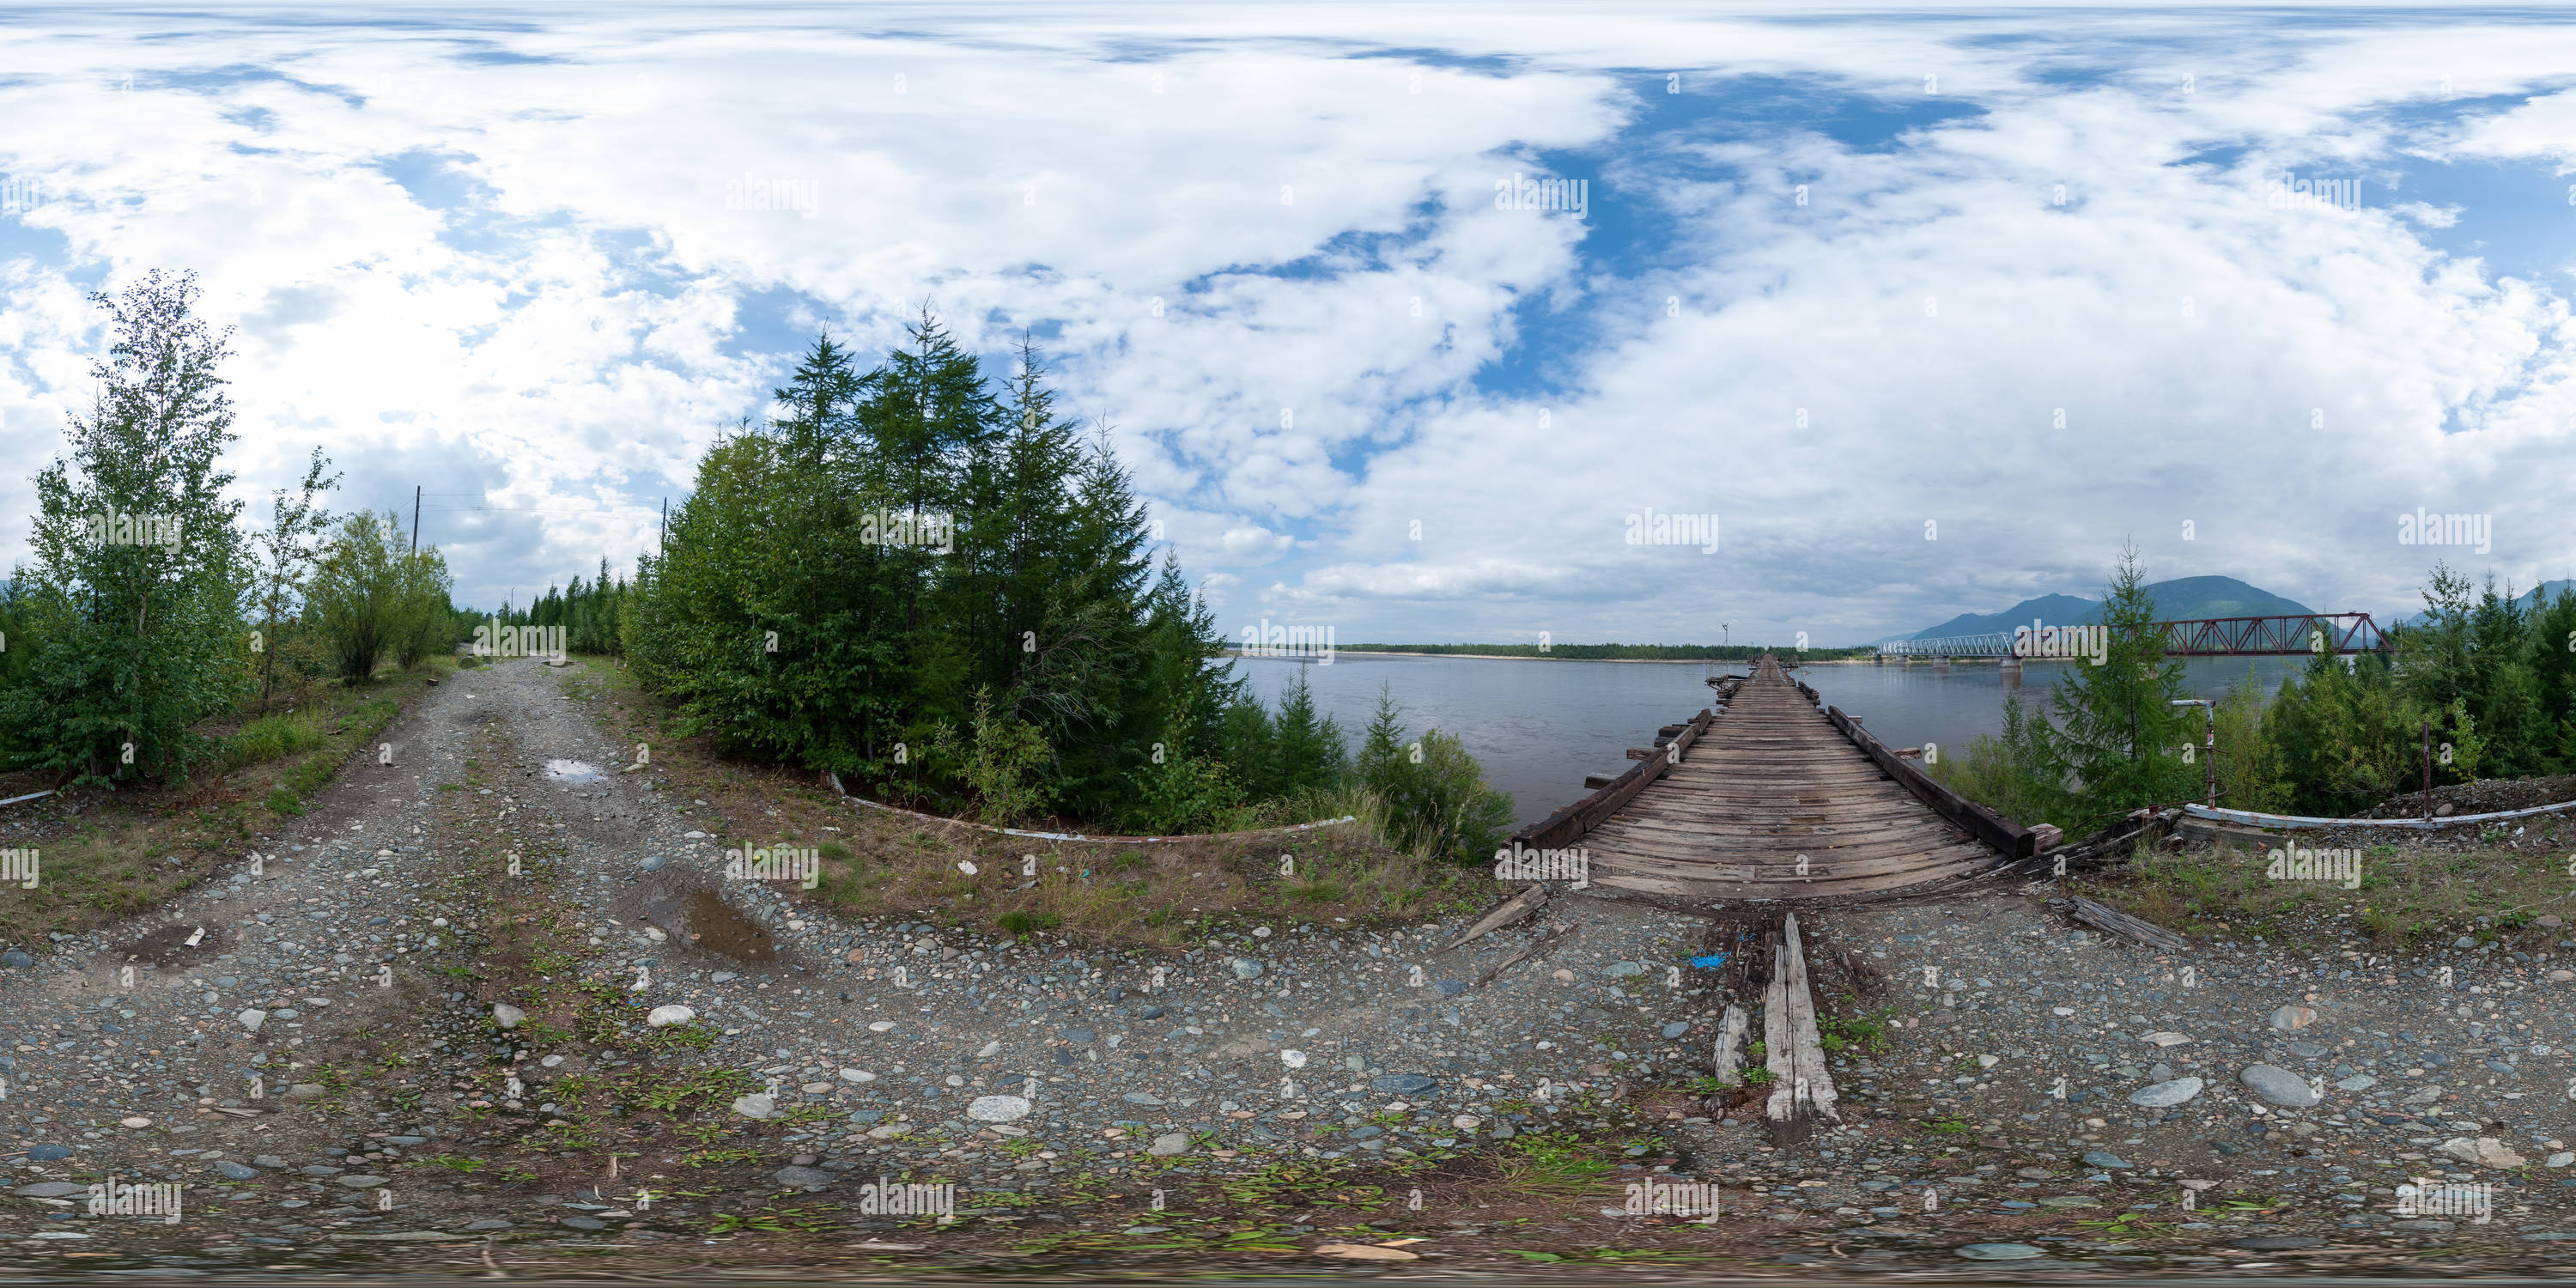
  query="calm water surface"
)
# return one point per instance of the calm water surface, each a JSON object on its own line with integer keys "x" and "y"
{"x": 1539, "y": 727}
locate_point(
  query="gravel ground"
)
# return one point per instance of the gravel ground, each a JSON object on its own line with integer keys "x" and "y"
{"x": 1052, "y": 1083}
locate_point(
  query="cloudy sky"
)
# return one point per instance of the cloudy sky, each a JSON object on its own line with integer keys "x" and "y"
{"x": 1931, "y": 312}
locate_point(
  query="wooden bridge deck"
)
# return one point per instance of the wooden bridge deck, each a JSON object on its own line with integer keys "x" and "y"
{"x": 1773, "y": 799}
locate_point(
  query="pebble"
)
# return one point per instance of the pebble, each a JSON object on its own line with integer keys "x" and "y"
{"x": 2485, "y": 1151}
{"x": 49, "y": 1190}
{"x": 811, "y": 1179}
{"x": 506, "y": 1015}
{"x": 253, "y": 1019}
{"x": 1402, "y": 1083}
{"x": 2000, "y": 1252}
{"x": 16, "y": 960}
{"x": 2164, "y": 1095}
{"x": 663, "y": 1017}
{"x": 2293, "y": 1017}
{"x": 998, "y": 1109}
{"x": 1245, "y": 968}
{"x": 650, "y": 863}
{"x": 857, "y": 1075}
{"x": 1169, "y": 1144}
{"x": 759, "y": 1104}
{"x": 236, "y": 1171}
{"x": 2278, "y": 1085}
{"x": 2277, "y": 1243}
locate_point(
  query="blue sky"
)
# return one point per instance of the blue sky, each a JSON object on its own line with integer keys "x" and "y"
{"x": 1933, "y": 311}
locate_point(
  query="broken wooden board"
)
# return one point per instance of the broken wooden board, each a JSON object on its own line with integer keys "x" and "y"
{"x": 2122, "y": 924}
{"x": 1802, "y": 1087}
{"x": 1728, "y": 1060}
{"x": 1512, "y": 911}
{"x": 1539, "y": 945}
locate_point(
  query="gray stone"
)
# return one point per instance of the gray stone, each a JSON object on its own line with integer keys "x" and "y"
{"x": 2486, "y": 1151}
{"x": 651, "y": 863}
{"x": 2165, "y": 1095}
{"x": 506, "y": 1015}
{"x": 2000, "y": 1252}
{"x": 1676, "y": 1028}
{"x": 251, "y": 1020}
{"x": 16, "y": 960}
{"x": 998, "y": 1109}
{"x": 2278, "y": 1085}
{"x": 1624, "y": 970}
{"x": 1451, "y": 987}
{"x": 2293, "y": 1017}
{"x": 50, "y": 1190}
{"x": 269, "y": 1161}
{"x": 1143, "y": 1098}
{"x": 809, "y": 1178}
{"x": 2357, "y": 1082}
{"x": 2276, "y": 1243}
{"x": 362, "y": 1182}
{"x": 48, "y": 1153}
{"x": 1245, "y": 968}
{"x": 1403, "y": 1082}
{"x": 583, "y": 1223}
{"x": 236, "y": 1171}
{"x": 1168, "y": 1144}
{"x": 488, "y": 1223}
{"x": 2104, "y": 1158}
{"x": 759, "y": 1104}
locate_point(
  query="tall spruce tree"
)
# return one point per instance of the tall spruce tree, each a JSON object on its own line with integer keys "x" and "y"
{"x": 2118, "y": 731}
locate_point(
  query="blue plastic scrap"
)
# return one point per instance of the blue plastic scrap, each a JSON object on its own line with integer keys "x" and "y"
{"x": 1713, "y": 959}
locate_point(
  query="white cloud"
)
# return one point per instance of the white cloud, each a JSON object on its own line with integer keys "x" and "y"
{"x": 555, "y": 315}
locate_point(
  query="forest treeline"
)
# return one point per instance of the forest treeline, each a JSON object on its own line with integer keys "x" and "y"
{"x": 2486, "y": 677}
{"x": 944, "y": 591}
{"x": 150, "y": 605}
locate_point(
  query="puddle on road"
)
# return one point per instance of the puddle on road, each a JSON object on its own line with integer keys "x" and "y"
{"x": 705, "y": 922}
{"x": 572, "y": 771}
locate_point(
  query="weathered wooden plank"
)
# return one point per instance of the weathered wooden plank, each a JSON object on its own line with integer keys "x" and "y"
{"x": 1727, "y": 1061}
{"x": 1520, "y": 907}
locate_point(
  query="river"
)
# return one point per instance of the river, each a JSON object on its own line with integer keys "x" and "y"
{"x": 1539, "y": 727}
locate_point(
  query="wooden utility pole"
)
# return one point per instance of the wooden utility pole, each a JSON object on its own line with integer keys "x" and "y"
{"x": 415, "y": 518}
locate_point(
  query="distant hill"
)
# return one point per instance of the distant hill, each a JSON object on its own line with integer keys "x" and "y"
{"x": 2545, "y": 590}
{"x": 2183, "y": 597}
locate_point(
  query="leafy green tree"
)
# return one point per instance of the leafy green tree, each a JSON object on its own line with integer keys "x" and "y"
{"x": 362, "y": 598}
{"x": 284, "y": 556}
{"x": 139, "y": 573}
{"x": 1431, "y": 795}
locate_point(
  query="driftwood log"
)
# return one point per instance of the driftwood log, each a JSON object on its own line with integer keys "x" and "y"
{"x": 2111, "y": 921}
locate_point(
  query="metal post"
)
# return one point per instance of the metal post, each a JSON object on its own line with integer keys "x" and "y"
{"x": 2428, "y": 769}
{"x": 2209, "y": 751}
{"x": 415, "y": 518}
{"x": 2209, "y": 745}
